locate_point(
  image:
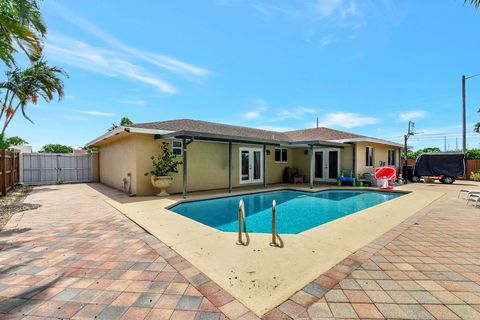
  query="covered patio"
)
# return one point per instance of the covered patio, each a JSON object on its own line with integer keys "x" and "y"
{"x": 187, "y": 137}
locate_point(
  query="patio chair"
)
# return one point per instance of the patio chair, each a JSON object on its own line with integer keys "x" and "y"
{"x": 370, "y": 179}
{"x": 291, "y": 175}
{"x": 467, "y": 191}
{"x": 473, "y": 196}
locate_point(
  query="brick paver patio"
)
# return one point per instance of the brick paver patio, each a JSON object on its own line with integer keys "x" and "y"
{"x": 76, "y": 257}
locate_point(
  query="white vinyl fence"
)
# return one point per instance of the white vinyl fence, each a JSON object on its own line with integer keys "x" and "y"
{"x": 55, "y": 168}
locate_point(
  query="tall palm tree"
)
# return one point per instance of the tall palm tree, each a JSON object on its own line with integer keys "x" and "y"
{"x": 22, "y": 26}
{"x": 25, "y": 86}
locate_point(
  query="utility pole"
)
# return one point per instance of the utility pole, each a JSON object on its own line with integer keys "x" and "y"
{"x": 464, "y": 115}
{"x": 456, "y": 143}
{"x": 317, "y": 122}
{"x": 445, "y": 143}
{"x": 411, "y": 127}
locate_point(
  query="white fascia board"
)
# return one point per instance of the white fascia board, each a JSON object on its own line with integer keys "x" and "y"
{"x": 121, "y": 129}
{"x": 373, "y": 140}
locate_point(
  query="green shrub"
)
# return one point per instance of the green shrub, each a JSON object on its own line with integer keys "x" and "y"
{"x": 475, "y": 176}
{"x": 164, "y": 163}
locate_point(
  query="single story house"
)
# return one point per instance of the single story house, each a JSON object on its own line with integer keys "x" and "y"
{"x": 220, "y": 156}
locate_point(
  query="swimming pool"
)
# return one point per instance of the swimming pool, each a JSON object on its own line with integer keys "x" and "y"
{"x": 297, "y": 211}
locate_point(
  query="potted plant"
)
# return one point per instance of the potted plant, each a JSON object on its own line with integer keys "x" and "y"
{"x": 164, "y": 165}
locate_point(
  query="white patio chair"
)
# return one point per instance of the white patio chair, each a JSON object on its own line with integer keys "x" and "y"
{"x": 467, "y": 191}
{"x": 473, "y": 196}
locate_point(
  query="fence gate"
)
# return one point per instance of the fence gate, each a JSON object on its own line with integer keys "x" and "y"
{"x": 55, "y": 168}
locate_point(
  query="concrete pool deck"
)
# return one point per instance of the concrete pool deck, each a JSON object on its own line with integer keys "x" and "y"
{"x": 258, "y": 275}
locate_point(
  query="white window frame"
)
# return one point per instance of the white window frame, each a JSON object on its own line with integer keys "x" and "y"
{"x": 281, "y": 155}
{"x": 394, "y": 158}
{"x": 373, "y": 157}
{"x": 181, "y": 148}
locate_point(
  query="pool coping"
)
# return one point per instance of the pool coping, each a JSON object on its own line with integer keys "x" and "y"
{"x": 258, "y": 275}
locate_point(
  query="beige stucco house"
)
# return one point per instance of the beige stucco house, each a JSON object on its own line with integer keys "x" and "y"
{"x": 220, "y": 156}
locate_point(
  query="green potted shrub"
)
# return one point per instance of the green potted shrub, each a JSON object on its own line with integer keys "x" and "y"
{"x": 164, "y": 165}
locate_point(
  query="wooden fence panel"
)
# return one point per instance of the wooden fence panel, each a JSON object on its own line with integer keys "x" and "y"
{"x": 9, "y": 173}
{"x": 473, "y": 165}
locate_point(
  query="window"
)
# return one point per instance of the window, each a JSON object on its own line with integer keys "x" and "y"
{"x": 177, "y": 148}
{"x": 281, "y": 155}
{"x": 369, "y": 157}
{"x": 391, "y": 157}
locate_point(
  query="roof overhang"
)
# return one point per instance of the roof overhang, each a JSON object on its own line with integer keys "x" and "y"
{"x": 122, "y": 129}
{"x": 317, "y": 143}
{"x": 219, "y": 137}
{"x": 367, "y": 139}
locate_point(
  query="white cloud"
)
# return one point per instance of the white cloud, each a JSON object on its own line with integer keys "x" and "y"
{"x": 346, "y": 120}
{"x": 99, "y": 60}
{"x": 252, "y": 115}
{"x": 325, "y": 8}
{"x": 412, "y": 115}
{"x": 138, "y": 102}
{"x": 97, "y": 113}
{"x": 260, "y": 106}
{"x": 160, "y": 60}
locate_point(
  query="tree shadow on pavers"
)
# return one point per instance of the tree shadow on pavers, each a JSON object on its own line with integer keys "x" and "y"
{"x": 14, "y": 269}
{"x": 15, "y": 303}
{"x": 10, "y": 232}
{"x": 39, "y": 189}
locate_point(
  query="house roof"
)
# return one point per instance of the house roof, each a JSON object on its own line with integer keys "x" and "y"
{"x": 213, "y": 128}
{"x": 321, "y": 133}
{"x": 205, "y": 129}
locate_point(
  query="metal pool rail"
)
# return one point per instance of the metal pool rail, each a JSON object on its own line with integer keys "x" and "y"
{"x": 242, "y": 222}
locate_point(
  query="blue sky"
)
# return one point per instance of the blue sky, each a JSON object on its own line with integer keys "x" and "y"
{"x": 358, "y": 65}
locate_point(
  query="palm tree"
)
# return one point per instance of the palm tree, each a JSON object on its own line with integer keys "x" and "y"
{"x": 125, "y": 121}
{"x": 24, "y": 86}
{"x": 22, "y": 26}
{"x": 475, "y": 3}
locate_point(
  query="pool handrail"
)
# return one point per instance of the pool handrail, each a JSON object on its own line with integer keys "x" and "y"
{"x": 274, "y": 224}
{"x": 242, "y": 222}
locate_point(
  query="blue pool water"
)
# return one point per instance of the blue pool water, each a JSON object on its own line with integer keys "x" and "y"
{"x": 297, "y": 211}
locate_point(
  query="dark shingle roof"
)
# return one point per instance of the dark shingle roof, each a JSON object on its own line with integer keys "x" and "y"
{"x": 219, "y": 129}
{"x": 321, "y": 133}
{"x": 213, "y": 128}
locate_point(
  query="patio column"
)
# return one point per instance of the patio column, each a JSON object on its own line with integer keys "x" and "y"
{"x": 312, "y": 164}
{"x": 185, "y": 181}
{"x": 264, "y": 166}
{"x": 230, "y": 166}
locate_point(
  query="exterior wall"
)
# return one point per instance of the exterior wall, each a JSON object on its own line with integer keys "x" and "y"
{"x": 380, "y": 153}
{"x": 117, "y": 158}
{"x": 301, "y": 161}
{"x": 95, "y": 167}
{"x": 207, "y": 165}
{"x": 346, "y": 158}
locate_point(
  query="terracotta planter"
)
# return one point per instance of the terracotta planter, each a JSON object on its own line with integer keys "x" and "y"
{"x": 161, "y": 183}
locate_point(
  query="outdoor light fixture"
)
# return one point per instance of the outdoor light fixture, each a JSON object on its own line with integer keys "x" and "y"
{"x": 305, "y": 152}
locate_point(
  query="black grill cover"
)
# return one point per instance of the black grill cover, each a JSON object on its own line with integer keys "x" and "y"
{"x": 440, "y": 164}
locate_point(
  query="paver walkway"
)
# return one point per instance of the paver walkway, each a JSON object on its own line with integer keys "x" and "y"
{"x": 426, "y": 268}
{"x": 76, "y": 257}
